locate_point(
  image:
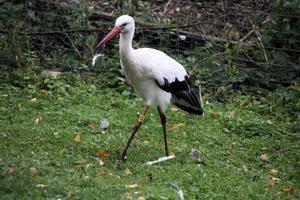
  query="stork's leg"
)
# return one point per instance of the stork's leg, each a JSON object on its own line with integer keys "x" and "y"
{"x": 163, "y": 120}
{"x": 136, "y": 127}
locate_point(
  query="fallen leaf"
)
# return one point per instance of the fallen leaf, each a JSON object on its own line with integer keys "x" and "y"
{"x": 141, "y": 198}
{"x": 100, "y": 161}
{"x": 128, "y": 194}
{"x": 33, "y": 172}
{"x": 77, "y": 138}
{"x": 173, "y": 126}
{"x": 40, "y": 186}
{"x": 226, "y": 130}
{"x": 264, "y": 157}
{"x": 172, "y": 154}
{"x": 33, "y": 99}
{"x": 70, "y": 192}
{"x": 288, "y": 190}
{"x": 276, "y": 180}
{"x": 270, "y": 182}
{"x": 213, "y": 115}
{"x": 102, "y": 154}
{"x": 146, "y": 142}
{"x": 127, "y": 171}
{"x": 55, "y": 133}
{"x": 174, "y": 109}
{"x": 11, "y": 169}
{"x": 113, "y": 175}
{"x": 100, "y": 171}
{"x": 38, "y": 120}
{"x": 232, "y": 113}
{"x": 93, "y": 125}
{"x": 134, "y": 186}
{"x": 245, "y": 169}
{"x": 273, "y": 172}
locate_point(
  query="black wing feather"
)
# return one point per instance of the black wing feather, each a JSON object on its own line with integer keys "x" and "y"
{"x": 183, "y": 95}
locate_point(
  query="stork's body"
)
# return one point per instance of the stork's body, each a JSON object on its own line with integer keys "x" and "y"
{"x": 156, "y": 77}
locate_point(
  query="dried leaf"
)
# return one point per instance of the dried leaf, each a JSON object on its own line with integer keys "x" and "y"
{"x": 38, "y": 120}
{"x": 245, "y": 169}
{"x": 11, "y": 169}
{"x": 113, "y": 175}
{"x": 102, "y": 154}
{"x": 33, "y": 172}
{"x": 213, "y": 115}
{"x": 273, "y": 172}
{"x": 128, "y": 194}
{"x": 77, "y": 138}
{"x": 146, "y": 142}
{"x": 232, "y": 113}
{"x": 70, "y": 192}
{"x": 173, "y": 126}
{"x": 33, "y": 99}
{"x": 127, "y": 171}
{"x": 100, "y": 161}
{"x": 174, "y": 109}
{"x": 264, "y": 157}
{"x": 288, "y": 190}
{"x": 134, "y": 186}
{"x": 55, "y": 133}
{"x": 93, "y": 125}
{"x": 141, "y": 198}
{"x": 276, "y": 180}
{"x": 270, "y": 182}
{"x": 100, "y": 171}
{"x": 40, "y": 186}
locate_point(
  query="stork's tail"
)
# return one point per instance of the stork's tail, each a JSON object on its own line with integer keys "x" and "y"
{"x": 189, "y": 100}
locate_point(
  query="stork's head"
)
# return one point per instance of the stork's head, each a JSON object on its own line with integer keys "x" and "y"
{"x": 124, "y": 25}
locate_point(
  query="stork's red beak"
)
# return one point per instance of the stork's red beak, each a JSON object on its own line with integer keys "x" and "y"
{"x": 100, "y": 46}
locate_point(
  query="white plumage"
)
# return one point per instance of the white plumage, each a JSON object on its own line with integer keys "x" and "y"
{"x": 156, "y": 77}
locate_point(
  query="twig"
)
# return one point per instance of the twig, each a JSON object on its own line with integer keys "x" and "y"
{"x": 261, "y": 43}
{"x": 166, "y": 6}
{"x": 255, "y": 27}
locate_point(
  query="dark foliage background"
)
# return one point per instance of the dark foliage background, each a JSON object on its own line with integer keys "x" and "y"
{"x": 249, "y": 46}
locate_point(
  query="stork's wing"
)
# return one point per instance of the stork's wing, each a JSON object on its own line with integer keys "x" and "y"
{"x": 183, "y": 95}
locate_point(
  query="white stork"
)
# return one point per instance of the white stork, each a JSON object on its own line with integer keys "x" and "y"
{"x": 156, "y": 77}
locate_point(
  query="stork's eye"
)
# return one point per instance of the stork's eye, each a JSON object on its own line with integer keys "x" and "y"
{"x": 123, "y": 25}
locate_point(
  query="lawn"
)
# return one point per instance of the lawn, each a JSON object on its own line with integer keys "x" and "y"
{"x": 53, "y": 146}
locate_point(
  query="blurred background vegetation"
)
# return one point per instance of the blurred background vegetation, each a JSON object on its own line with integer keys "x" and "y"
{"x": 248, "y": 46}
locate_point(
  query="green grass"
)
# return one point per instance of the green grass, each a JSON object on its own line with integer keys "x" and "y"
{"x": 232, "y": 137}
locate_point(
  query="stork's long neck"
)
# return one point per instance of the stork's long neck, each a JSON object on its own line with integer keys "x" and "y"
{"x": 125, "y": 43}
